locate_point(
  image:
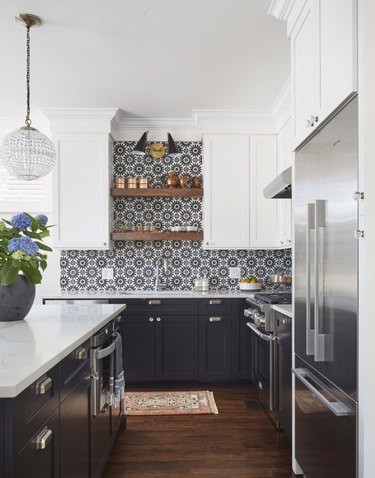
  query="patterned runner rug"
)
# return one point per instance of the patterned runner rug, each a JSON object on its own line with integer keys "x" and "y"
{"x": 169, "y": 403}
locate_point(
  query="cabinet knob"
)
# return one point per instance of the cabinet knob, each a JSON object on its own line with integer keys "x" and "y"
{"x": 158, "y": 319}
{"x": 288, "y": 241}
{"x": 308, "y": 123}
{"x": 281, "y": 242}
{"x": 151, "y": 319}
{"x": 207, "y": 243}
{"x": 43, "y": 385}
{"x": 44, "y": 437}
{"x": 154, "y": 302}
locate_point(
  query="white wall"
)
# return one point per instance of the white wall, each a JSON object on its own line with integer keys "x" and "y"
{"x": 367, "y": 252}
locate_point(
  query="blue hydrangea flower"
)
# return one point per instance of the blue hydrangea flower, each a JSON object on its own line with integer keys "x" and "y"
{"x": 21, "y": 221}
{"x": 42, "y": 219}
{"x": 24, "y": 244}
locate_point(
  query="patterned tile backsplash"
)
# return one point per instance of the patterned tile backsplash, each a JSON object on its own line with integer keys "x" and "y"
{"x": 134, "y": 261}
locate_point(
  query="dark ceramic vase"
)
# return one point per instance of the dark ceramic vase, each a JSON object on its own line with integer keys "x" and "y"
{"x": 16, "y": 299}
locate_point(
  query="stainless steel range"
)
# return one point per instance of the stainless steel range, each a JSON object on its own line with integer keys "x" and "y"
{"x": 259, "y": 308}
{"x": 262, "y": 325}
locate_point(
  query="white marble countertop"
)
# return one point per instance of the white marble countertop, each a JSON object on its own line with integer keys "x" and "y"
{"x": 286, "y": 309}
{"x": 145, "y": 294}
{"x": 31, "y": 347}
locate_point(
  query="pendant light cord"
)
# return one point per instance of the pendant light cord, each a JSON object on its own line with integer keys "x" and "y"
{"x": 28, "y": 120}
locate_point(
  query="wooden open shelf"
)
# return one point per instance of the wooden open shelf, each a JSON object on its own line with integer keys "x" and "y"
{"x": 157, "y": 236}
{"x": 155, "y": 192}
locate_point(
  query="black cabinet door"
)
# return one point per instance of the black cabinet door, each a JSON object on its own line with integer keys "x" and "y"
{"x": 177, "y": 347}
{"x": 139, "y": 348}
{"x": 215, "y": 347}
{"x": 74, "y": 432}
{"x": 39, "y": 458}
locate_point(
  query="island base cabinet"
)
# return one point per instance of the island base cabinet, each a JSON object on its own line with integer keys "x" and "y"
{"x": 74, "y": 433}
{"x": 39, "y": 458}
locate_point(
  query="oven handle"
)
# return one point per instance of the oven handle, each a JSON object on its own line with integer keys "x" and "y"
{"x": 265, "y": 337}
{"x": 101, "y": 353}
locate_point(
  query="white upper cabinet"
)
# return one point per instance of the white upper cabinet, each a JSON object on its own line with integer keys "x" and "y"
{"x": 236, "y": 168}
{"x": 324, "y": 72}
{"x": 284, "y": 160}
{"x": 304, "y": 79}
{"x": 81, "y": 202}
{"x": 226, "y": 191}
{"x": 263, "y": 212}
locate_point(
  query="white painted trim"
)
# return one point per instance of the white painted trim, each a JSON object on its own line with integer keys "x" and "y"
{"x": 282, "y": 106}
{"x": 280, "y": 9}
{"x": 82, "y": 120}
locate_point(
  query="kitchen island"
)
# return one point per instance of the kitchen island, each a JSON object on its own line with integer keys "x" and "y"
{"x": 46, "y": 418}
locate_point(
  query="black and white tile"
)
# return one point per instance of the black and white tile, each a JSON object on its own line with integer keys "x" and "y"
{"x": 134, "y": 261}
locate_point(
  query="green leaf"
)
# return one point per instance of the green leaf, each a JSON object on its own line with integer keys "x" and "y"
{"x": 7, "y": 222}
{"x": 43, "y": 247}
{"x": 44, "y": 233}
{"x": 33, "y": 235}
{"x": 34, "y": 222}
{"x": 8, "y": 273}
{"x": 43, "y": 265}
{"x": 32, "y": 274}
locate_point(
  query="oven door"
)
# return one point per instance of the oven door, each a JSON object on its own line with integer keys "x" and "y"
{"x": 264, "y": 368}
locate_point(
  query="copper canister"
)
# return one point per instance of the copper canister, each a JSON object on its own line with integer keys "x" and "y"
{"x": 196, "y": 182}
{"x": 120, "y": 183}
{"x": 183, "y": 181}
{"x": 132, "y": 183}
{"x": 143, "y": 183}
{"x": 172, "y": 180}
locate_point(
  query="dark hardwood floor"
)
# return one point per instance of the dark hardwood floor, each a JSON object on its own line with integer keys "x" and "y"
{"x": 239, "y": 442}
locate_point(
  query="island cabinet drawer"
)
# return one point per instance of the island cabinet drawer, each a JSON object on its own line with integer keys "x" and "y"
{"x": 157, "y": 306}
{"x": 39, "y": 457}
{"x": 215, "y": 306}
{"x": 32, "y": 407}
{"x": 73, "y": 369}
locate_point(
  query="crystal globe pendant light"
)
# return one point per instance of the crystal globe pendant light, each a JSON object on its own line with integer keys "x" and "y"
{"x": 27, "y": 153}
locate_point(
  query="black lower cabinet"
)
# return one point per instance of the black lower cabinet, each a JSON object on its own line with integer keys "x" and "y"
{"x": 100, "y": 441}
{"x": 190, "y": 339}
{"x": 215, "y": 347}
{"x": 39, "y": 457}
{"x": 177, "y": 347}
{"x": 139, "y": 348}
{"x": 74, "y": 433}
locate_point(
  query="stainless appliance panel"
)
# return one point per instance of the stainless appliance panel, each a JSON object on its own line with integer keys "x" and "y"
{"x": 326, "y": 217}
{"x": 325, "y": 430}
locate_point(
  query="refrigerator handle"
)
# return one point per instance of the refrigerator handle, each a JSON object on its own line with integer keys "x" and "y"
{"x": 322, "y": 393}
{"x": 310, "y": 333}
{"x": 320, "y": 340}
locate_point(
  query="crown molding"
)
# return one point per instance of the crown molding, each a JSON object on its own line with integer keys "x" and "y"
{"x": 282, "y": 106}
{"x": 280, "y": 9}
{"x": 83, "y": 120}
{"x": 197, "y": 119}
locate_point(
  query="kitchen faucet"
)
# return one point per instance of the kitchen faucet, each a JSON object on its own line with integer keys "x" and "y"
{"x": 161, "y": 285}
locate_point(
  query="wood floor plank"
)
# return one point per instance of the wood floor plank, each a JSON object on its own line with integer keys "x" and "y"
{"x": 240, "y": 442}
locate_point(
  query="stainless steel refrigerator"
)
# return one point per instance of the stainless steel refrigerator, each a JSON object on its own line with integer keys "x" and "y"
{"x": 326, "y": 298}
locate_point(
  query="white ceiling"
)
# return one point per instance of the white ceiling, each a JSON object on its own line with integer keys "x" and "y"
{"x": 152, "y": 58}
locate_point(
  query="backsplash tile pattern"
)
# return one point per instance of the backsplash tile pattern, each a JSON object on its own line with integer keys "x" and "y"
{"x": 134, "y": 261}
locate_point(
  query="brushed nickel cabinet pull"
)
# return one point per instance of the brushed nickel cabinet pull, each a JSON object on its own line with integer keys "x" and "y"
{"x": 215, "y": 319}
{"x": 44, "y": 437}
{"x": 43, "y": 385}
{"x": 215, "y": 301}
{"x": 80, "y": 353}
{"x": 154, "y": 302}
